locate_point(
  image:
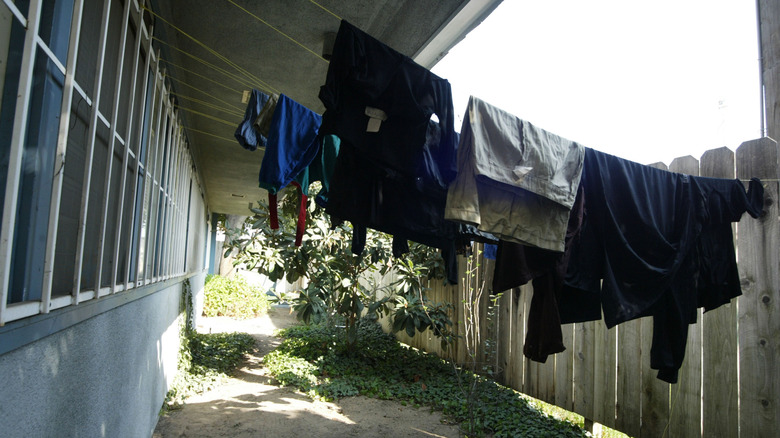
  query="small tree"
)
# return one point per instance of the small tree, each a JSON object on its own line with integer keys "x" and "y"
{"x": 340, "y": 284}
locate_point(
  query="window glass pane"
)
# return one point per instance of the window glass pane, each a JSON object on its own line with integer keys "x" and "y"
{"x": 139, "y": 228}
{"x": 126, "y": 233}
{"x": 140, "y": 103}
{"x": 113, "y": 50}
{"x": 114, "y": 197}
{"x": 149, "y": 110}
{"x": 55, "y": 26}
{"x": 127, "y": 85}
{"x": 146, "y": 227}
{"x": 32, "y": 215}
{"x": 86, "y": 65}
{"x": 160, "y": 236}
{"x": 164, "y": 153}
{"x": 12, "y": 42}
{"x": 141, "y": 209}
{"x": 70, "y": 204}
{"x": 95, "y": 211}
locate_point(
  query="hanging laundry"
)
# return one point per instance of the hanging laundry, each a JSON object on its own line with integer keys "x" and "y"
{"x": 263, "y": 121}
{"x": 321, "y": 169}
{"x": 489, "y": 252}
{"x": 515, "y": 181}
{"x": 395, "y": 163}
{"x": 517, "y": 264}
{"x": 381, "y": 102}
{"x": 651, "y": 243}
{"x": 372, "y": 195}
{"x": 657, "y": 243}
{"x": 293, "y": 143}
{"x": 247, "y": 134}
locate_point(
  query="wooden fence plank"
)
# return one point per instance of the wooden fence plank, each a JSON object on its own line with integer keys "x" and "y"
{"x": 629, "y": 369}
{"x": 519, "y": 359}
{"x": 492, "y": 309}
{"x": 605, "y": 371}
{"x": 654, "y": 392}
{"x": 685, "y": 413}
{"x": 719, "y": 337}
{"x": 563, "y": 370}
{"x": 584, "y": 360}
{"x": 759, "y": 307}
{"x": 458, "y": 320}
{"x": 530, "y": 379}
{"x": 506, "y": 330}
{"x": 546, "y": 376}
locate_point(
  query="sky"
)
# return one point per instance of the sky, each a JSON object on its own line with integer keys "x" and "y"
{"x": 646, "y": 81}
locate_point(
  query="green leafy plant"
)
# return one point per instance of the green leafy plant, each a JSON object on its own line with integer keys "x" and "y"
{"x": 413, "y": 311}
{"x": 315, "y": 359}
{"x": 341, "y": 287}
{"x": 233, "y": 297}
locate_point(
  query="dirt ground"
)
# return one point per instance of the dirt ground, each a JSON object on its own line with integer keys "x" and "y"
{"x": 251, "y": 404}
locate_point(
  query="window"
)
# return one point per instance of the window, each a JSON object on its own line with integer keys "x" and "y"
{"x": 36, "y": 169}
{"x": 102, "y": 175}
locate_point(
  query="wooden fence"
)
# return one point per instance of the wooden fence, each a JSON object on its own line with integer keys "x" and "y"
{"x": 728, "y": 385}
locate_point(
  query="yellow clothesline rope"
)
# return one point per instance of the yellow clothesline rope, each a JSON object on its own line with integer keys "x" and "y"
{"x": 325, "y": 9}
{"x": 232, "y": 140}
{"x": 196, "y": 89}
{"x": 246, "y": 82}
{"x": 208, "y": 116}
{"x": 279, "y": 31}
{"x": 207, "y": 48}
{"x": 179, "y": 67}
{"x": 209, "y": 104}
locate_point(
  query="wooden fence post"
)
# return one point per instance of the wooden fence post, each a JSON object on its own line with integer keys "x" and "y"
{"x": 759, "y": 307}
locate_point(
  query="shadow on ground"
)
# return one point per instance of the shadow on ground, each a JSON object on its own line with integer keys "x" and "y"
{"x": 251, "y": 405}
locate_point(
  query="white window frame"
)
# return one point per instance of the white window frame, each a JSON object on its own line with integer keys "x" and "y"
{"x": 162, "y": 211}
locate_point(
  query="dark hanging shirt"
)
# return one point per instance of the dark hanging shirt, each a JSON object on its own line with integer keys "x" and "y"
{"x": 660, "y": 244}
{"x": 650, "y": 243}
{"x": 395, "y": 163}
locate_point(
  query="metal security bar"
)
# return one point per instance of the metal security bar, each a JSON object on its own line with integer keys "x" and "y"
{"x": 110, "y": 153}
{"x": 62, "y": 145}
{"x": 131, "y": 114}
{"x": 143, "y": 207}
{"x": 15, "y": 158}
{"x": 90, "y": 153}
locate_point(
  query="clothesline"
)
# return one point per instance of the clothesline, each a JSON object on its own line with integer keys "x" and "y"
{"x": 599, "y": 236}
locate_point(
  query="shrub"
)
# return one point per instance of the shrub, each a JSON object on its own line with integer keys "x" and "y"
{"x": 233, "y": 297}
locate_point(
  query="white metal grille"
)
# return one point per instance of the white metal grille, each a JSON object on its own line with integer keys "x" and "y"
{"x": 121, "y": 181}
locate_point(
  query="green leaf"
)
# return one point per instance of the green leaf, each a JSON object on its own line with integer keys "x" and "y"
{"x": 410, "y": 327}
{"x": 398, "y": 322}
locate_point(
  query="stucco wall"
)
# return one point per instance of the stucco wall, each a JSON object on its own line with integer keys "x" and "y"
{"x": 104, "y": 377}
